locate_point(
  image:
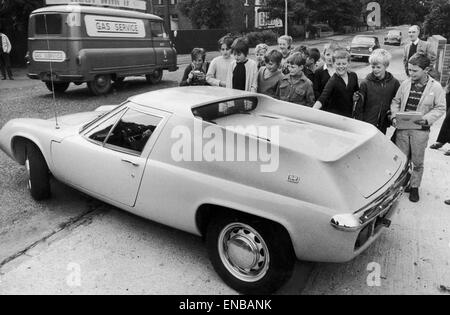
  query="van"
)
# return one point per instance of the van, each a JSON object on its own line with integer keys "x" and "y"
{"x": 96, "y": 45}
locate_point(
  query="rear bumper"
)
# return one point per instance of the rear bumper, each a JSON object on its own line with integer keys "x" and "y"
{"x": 45, "y": 76}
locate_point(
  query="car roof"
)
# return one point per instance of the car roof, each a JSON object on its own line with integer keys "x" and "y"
{"x": 96, "y": 10}
{"x": 181, "y": 100}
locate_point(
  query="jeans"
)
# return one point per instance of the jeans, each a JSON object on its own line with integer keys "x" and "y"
{"x": 413, "y": 144}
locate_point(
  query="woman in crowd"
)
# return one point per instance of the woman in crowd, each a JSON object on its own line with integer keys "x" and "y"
{"x": 338, "y": 94}
{"x": 218, "y": 70}
{"x": 195, "y": 73}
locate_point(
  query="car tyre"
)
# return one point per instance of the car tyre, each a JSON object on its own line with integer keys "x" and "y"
{"x": 251, "y": 255}
{"x": 155, "y": 77}
{"x": 38, "y": 173}
{"x": 58, "y": 87}
{"x": 100, "y": 85}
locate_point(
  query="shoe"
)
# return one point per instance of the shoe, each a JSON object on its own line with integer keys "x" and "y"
{"x": 414, "y": 195}
{"x": 408, "y": 189}
{"x": 436, "y": 146}
{"x": 447, "y": 202}
{"x": 4, "y": 78}
{"x": 11, "y": 78}
{"x": 447, "y": 153}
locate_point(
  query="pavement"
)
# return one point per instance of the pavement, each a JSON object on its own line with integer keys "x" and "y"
{"x": 73, "y": 244}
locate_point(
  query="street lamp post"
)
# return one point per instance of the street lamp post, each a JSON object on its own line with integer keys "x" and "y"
{"x": 285, "y": 17}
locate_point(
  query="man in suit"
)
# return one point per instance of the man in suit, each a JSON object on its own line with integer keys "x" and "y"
{"x": 5, "y": 63}
{"x": 418, "y": 46}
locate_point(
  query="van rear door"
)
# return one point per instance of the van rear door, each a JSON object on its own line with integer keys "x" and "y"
{"x": 48, "y": 45}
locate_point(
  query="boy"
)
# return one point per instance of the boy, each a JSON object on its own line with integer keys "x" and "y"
{"x": 285, "y": 47}
{"x": 377, "y": 91}
{"x": 260, "y": 51}
{"x": 218, "y": 69}
{"x": 418, "y": 93}
{"x": 338, "y": 94}
{"x": 312, "y": 56}
{"x": 296, "y": 87}
{"x": 270, "y": 75}
{"x": 242, "y": 72}
{"x": 195, "y": 73}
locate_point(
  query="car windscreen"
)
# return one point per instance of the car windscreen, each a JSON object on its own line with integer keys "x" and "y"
{"x": 48, "y": 24}
{"x": 158, "y": 30}
{"x": 364, "y": 40}
{"x": 218, "y": 110}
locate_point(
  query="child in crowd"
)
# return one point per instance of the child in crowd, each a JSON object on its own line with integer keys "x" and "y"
{"x": 260, "y": 51}
{"x": 296, "y": 87}
{"x": 243, "y": 72}
{"x": 218, "y": 70}
{"x": 339, "y": 93}
{"x": 319, "y": 63}
{"x": 377, "y": 91}
{"x": 324, "y": 73}
{"x": 270, "y": 75}
{"x": 285, "y": 47}
{"x": 312, "y": 56}
{"x": 195, "y": 73}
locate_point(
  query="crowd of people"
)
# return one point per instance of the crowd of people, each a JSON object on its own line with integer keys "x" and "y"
{"x": 323, "y": 81}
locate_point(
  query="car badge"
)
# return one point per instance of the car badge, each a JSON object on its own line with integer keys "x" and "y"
{"x": 293, "y": 179}
{"x": 396, "y": 158}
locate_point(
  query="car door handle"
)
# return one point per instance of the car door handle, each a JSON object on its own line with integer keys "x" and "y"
{"x": 130, "y": 162}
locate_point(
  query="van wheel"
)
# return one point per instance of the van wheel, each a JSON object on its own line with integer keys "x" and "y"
{"x": 59, "y": 87}
{"x": 38, "y": 173}
{"x": 155, "y": 77}
{"x": 251, "y": 255}
{"x": 101, "y": 85}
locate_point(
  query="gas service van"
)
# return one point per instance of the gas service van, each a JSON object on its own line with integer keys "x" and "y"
{"x": 97, "y": 45}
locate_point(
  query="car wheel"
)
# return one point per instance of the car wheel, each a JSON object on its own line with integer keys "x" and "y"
{"x": 251, "y": 255}
{"x": 155, "y": 77}
{"x": 38, "y": 173}
{"x": 58, "y": 87}
{"x": 100, "y": 85}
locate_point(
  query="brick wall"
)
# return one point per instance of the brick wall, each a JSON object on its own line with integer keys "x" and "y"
{"x": 446, "y": 65}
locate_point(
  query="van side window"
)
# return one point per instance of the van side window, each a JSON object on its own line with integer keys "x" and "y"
{"x": 53, "y": 27}
{"x": 158, "y": 29}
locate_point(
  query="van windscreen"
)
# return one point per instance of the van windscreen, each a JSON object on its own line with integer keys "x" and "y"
{"x": 53, "y": 27}
{"x": 158, "y": 29}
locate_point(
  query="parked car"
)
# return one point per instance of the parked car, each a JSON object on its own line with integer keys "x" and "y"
{"x": 323, "y": 30}
{"x": 331, "y": 187}
{"x": 362, "y": 46}
{"x": 96, "y": 45}
{"x": 393, "y": 37}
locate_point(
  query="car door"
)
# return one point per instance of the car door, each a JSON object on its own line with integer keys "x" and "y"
{"x": 109, "y": 159}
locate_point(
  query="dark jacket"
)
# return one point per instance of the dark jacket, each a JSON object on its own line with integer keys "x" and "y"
{"x": 321, "y": 77}
{"x": 195, "y": 80}
{"x": 376, "y": 99}
{"x": 337, "y": 97}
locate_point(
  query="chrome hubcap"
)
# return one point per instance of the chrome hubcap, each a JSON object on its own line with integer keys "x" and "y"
{"x": 102, "y": 81}
{"x": 243, "y": 252}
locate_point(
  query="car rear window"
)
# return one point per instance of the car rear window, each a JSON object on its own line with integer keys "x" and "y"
{"x": 48, "y": 24}
{"x": 218, "y": 110}
{"x": 364, "y": 40}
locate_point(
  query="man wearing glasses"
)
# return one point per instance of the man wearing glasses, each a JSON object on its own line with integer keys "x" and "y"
{"x": 418, "y": 46}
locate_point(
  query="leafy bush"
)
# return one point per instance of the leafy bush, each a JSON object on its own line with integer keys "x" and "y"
{"x": 267, "y": 37}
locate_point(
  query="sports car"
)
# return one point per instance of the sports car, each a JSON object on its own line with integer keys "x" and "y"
{"x": 264, "y": 182}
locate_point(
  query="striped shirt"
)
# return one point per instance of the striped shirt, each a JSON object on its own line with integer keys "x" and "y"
{"x": 414, "y": 97}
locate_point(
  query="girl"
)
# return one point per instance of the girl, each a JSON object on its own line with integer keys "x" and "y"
{"x": 195, "y": 73}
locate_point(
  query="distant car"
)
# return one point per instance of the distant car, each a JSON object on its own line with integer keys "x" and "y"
{"x": 362, "y": 46}
{"x": 334, "y": 190}
{"x": 393, "y": 37}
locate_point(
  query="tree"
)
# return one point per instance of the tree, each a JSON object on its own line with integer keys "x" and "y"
{"x": 204, "y": 13}
{"x": 16, "y": 12}
{"x": 438, "y": 20}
